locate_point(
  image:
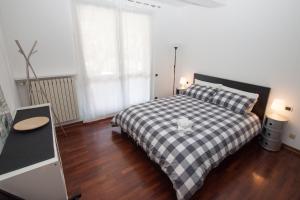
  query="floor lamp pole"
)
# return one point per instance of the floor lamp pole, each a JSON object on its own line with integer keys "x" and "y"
{"x": 174, "y": 75}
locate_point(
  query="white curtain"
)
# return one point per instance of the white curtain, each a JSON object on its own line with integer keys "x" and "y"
{"x": 115, "y": 47}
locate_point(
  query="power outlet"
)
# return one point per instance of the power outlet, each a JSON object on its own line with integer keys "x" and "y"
{"x": 292, "y": 136}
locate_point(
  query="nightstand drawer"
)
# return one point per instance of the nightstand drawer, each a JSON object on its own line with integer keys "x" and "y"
{"x": 270, "y": 138}
{"x": 180, "y": 91}
{"x": 271, "y": 134}
{"x": 270, "y": 144}
{"x": 272, "y": 124}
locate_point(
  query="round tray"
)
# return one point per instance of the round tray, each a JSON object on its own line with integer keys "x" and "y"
{"x": 31, "y": 123}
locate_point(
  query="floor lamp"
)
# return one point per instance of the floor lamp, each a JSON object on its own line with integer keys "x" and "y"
{"x": 28, "y": 85}
{"x": 174, "y": 75}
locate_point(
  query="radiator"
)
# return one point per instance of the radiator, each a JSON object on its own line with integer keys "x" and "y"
{"x": 60, "y": 92}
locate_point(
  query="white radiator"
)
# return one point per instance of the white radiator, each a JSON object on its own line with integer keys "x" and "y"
{"x": 60, "y": 92}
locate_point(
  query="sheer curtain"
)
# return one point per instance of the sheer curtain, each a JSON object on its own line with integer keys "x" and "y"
{"x": 115, "y": 47}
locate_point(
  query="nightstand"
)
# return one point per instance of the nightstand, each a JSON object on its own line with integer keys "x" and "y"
{"x": 180, "y": 91}
{"x": 272, "y": 131}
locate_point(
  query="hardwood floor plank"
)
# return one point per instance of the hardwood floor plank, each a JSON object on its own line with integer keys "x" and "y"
{"x": 101, "y": 163}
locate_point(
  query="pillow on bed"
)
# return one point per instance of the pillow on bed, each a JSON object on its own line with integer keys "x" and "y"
{"x": 208, "y": 84}
{"x": 244, "y": 93}
{"x": 232, "y": 101}
{"x": 203, "y": 93}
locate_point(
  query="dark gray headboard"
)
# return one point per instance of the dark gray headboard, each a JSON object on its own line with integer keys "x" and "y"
{"x": 261, "y": 105}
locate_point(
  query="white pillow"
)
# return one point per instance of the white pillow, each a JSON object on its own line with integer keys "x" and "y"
{"x": 208, "y": 84}
{"x": 244, "y": 93}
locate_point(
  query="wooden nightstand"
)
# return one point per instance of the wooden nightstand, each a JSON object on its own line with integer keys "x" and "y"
{"x": 272, "y": 131}
{"x": 180, "y": 91}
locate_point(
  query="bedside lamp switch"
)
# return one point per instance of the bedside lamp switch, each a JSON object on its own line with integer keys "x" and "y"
{"x": 288, "y": 108}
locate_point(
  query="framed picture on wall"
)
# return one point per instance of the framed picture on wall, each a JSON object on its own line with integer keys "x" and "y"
{"x": 5, "y": 119}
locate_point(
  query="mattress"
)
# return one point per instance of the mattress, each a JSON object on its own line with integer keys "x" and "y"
{"x": 188, "y": 157}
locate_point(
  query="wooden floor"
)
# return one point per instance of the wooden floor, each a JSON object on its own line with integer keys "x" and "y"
{"x": 100, "y": 163}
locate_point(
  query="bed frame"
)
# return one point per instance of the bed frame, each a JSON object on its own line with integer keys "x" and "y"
{"x": 261, "y": 105}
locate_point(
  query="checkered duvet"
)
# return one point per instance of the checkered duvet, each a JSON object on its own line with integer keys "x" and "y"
{"x": 187, "y": 157}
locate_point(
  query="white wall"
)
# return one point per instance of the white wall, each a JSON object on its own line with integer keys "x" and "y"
{"x": 6, "y": 78}
{"x": 50, "y": 23}
{"x": 251, "y": 41}
{"x": 6, "y": 82}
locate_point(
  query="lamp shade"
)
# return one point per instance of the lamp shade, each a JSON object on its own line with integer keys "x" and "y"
{"x": 278, "y": 105}
{"x": 182, "y": 81}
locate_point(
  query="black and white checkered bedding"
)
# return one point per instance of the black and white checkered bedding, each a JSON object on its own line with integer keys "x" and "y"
{"x": 187, "y": 157}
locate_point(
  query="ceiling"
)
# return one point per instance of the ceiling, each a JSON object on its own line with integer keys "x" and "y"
{"x": 202, "y": 3}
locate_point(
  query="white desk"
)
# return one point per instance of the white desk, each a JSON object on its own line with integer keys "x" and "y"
{"x": 30, "y": 164}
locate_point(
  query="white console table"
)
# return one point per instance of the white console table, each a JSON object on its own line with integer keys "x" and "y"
{"x": 30, "y": 164}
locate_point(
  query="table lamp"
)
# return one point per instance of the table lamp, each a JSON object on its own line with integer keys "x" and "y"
{"x": 182, "y": 82}
{"x": 277, "y": 107}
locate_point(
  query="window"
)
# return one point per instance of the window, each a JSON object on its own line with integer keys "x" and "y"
{"x": 116, "y": 49}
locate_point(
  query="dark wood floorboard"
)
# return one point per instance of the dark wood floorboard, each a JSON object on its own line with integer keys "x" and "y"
{"x": 100, "y": 163}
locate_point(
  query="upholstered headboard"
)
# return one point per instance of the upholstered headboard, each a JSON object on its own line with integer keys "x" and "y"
{"x": 259, "y": 108}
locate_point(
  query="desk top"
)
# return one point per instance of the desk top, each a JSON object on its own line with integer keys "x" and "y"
{"x": 26, "y": 149}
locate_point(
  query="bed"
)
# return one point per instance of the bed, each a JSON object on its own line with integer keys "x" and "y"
{"x": 188, "y": 158}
